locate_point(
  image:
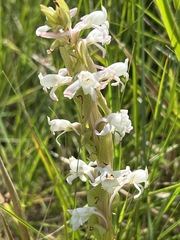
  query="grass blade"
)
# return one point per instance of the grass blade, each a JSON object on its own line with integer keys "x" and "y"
{"x": 15, "y": 199}
{"x": 170, "y": 25}
{"x": 7, "y": 230}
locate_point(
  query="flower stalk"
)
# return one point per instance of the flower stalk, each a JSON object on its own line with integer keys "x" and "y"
{"x": 97, "y": 125}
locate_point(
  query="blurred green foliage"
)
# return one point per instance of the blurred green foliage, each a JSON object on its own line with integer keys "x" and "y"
{"x": 29, "y": 151}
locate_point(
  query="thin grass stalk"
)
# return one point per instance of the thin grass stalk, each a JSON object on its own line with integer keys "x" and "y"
{"x": 143, "y": 87}
{"x": 158, "y": 105}
{"x": 134, "y": 78}
{"x": 168, "y": 230}
{"x": 15, "y": 199}
{"x": 170, "y": 25}
{"x": 8, "y": 233}
{"x": 22, "y": 222}
{"x": 1, "y": 27}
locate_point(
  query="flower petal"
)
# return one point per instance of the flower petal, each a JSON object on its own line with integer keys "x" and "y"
{"x": 71, "y": 90}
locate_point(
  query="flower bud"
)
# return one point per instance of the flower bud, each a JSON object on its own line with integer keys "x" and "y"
{"x": 59, "y": 18}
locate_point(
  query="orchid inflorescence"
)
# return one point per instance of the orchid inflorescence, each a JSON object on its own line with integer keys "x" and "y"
{"x": 84, "y": 80}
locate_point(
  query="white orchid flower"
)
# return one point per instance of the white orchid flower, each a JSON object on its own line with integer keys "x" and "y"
{"x": 78, "y": 168}
{"x": 117, "y": 123}
{"x": 99, "y": 35}
{"x": 92, "y": 20}
{"x": 87, "y": 81}
{"x": 82, "y": 215}
{"x": 54, "y": 81}
{"x": 107, "y": 173}
{"x": 136, "y": 178}
{"x": 114, "y": 72}
{"x": 103, "y": 175}
{"x": 62, "y": 125}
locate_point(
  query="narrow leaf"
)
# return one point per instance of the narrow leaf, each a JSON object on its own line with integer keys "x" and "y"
{"x": 170, "y": 25}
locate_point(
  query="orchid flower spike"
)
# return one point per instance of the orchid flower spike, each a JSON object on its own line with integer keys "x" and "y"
{"x": 62, "y": 125}
{"x": 54, "y": 81}
{"x": 78, "y": 168}
{"x": 87, "y": 81}
{"x": 82, "y": 215}
{"x": 117, "y": 123}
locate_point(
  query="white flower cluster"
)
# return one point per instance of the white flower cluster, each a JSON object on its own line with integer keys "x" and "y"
{"x": 96, "y": 20}
{"x": 89, "y": 82}
{"x": 117, "y": 123}
{"x": 111, "y": 181}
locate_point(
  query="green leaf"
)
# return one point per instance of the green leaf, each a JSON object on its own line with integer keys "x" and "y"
{"x": 170, "y": 25}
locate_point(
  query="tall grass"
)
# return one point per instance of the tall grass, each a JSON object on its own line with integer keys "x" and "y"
{"x": 149, "y": 36}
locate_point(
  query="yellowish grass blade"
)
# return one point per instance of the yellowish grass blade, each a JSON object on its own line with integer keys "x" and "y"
{"x": 170, "y": 25}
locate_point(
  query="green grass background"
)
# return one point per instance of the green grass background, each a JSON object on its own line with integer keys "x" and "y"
{"x": 149, "y": 36}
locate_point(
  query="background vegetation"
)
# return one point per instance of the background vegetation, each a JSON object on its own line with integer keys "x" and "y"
{"x": 148, "y": 35}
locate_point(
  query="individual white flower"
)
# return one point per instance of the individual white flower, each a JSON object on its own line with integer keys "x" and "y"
{"x": 87, "y": 81}
{"x": 82, "y": 215}
{"x": 54, "y": 81}
{"x": 78, "y": 168}
{"x": 114, "y": 72}
{"x": 103, "y": 174}
{"x": 62, "y": 125}
{"x": 99, "y": 35}
{"x": 136, "y": 178}
{"x": 107, "y": 173}
{"x": 92, "y": 20}
{"x": 117, "y": 123}
{"x": 109, "y": 178}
